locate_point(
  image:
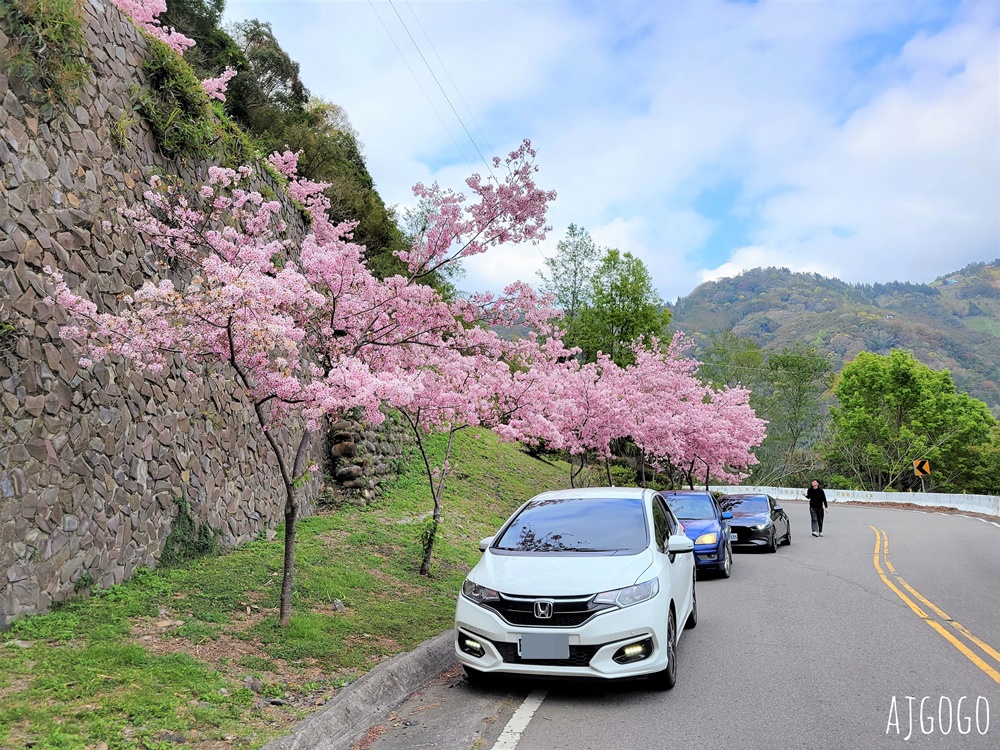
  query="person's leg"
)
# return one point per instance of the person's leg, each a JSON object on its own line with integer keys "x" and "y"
{"x": 820, "y": 512}
{"x": 815, "y": 521}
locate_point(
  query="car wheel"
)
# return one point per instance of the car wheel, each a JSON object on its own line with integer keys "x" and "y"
{"x": 788, "y": 536}
{"x": 773, "y": 546}
{"x": 692, "y": 621}
{"x": 667, "y": 678}
{"x": 475, "y": 677}
{"x": 727, "y": 564}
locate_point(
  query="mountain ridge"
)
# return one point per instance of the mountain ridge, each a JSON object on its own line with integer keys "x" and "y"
{"x": 952, "y": 323}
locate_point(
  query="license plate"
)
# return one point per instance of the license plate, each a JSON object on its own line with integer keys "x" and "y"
{"x": 543, "y": 646}
{"x": 732, "y": 536}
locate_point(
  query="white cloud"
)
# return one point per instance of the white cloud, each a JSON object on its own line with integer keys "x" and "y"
{"x": 763, "y": 257}
{"x": 864, "y": 148}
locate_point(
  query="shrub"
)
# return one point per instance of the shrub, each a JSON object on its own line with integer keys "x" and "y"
{"x": 47, "y": 45}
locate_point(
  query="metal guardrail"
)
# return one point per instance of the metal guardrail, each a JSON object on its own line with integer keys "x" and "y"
{"x": 989, "y": 504}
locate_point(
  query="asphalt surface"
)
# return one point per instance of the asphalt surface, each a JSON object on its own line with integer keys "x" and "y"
{"x": 806, "y": 648}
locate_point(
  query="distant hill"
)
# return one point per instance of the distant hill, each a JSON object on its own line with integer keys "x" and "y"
{"x": 952, "y": 323}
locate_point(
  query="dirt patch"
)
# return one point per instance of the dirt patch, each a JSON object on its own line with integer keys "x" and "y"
{"x": 400, "y": 586}
{"x": 373, "y": 734}
{"x": 16, "y": 686}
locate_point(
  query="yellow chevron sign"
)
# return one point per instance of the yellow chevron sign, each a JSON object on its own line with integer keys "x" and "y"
{"x": 922, "y": 467}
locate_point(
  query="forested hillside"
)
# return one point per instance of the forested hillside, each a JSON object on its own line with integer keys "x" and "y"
{"x": 952, "y": 323}
{"x": 269, "y": 101}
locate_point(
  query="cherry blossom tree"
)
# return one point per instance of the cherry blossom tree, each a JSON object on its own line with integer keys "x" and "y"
{"x": 582, "y": 410}
{"x": 486, "y": 381}
{"x": 303, "y": 328}
{"x": 145, "y": 14}
{"x": 658, "y": 403}
{"x": 676, "y": 419}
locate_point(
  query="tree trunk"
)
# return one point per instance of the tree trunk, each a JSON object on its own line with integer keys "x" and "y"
{"x": 573, "y": 474}
{"x": 642, "y": 466}
{"x": 291, "y": 522}
{"x": 607, "y": 468}
{"x": 436, "y": 491}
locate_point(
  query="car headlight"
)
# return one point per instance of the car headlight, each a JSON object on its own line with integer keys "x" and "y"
{"x": 479, "y": 594}
{"x": 760, "y": 526}
{"x": 631, "y": 595}
{"x": 707, "y": 538}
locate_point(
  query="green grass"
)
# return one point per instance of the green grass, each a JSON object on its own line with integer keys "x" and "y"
{"x": 983, "y": 324}
{"x": 90, "y": 676}
{"x": 47, "y": 47}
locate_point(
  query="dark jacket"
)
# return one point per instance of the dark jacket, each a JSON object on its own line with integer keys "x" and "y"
{"x": 817, "y": 498}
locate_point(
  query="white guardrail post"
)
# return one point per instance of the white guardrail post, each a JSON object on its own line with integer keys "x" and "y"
{"x": 988, "y": 504}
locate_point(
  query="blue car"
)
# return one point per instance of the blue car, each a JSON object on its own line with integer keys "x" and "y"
{"x": 707, "y": 526}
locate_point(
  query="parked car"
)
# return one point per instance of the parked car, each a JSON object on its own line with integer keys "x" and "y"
{"x": 758, "y": 521}
{"x": 706, "y": 525}
{"x": 595, "y": 582}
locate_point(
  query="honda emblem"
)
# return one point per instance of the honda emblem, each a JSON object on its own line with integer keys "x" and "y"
{"x": 543, "y": 609}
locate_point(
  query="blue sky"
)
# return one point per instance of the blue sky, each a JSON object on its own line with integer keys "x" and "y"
{"x": 854, "y": 139}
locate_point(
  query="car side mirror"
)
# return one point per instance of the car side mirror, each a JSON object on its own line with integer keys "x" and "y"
{"x": 679, "y": 543}
{"x": 778, "y": 507}
{"x": 726, "y": 515}
{"x": 485, "y": 543}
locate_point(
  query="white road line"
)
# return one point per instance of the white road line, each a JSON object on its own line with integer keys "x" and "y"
{"x": 511, "y": 733}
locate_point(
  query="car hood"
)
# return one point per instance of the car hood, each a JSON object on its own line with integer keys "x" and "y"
{"x": 694, "y": 528}
{"x": 559, "y": 574}
{"x": 749, "y": 519}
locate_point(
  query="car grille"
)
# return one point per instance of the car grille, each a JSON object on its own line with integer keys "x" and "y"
{"x": 579, "y": 656}
{"x": 743, "y": 533}
{"x": 566, "y": 613}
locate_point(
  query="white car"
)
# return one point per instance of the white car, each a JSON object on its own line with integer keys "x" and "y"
{"x": 583, "y": 583}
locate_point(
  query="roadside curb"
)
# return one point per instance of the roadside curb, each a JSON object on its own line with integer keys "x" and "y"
{"x": 353, "y": 709}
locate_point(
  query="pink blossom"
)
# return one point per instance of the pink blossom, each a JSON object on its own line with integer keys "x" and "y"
{"x": 216, "y": 87}
{"x": 144, "y": 13}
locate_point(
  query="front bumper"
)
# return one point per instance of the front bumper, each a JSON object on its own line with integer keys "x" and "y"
{"x": 748, "y": 536}
{"x": 592, "y": 645}
{"x": 710, "y": 556}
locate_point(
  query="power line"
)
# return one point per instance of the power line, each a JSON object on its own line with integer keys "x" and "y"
{"x": 452, "y": 80}
{"x": 443, "y": 92}
{"x": 420, "y": 86}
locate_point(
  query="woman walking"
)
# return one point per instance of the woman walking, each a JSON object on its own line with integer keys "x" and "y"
{"x": 817, "y": 507}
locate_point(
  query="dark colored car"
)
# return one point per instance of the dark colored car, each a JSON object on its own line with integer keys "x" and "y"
{"x": 758, "y": 521}
{"x": 706, "y": 525}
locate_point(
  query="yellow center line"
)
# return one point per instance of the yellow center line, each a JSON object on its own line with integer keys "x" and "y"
{"x": 880, "y": 535}
{"x": 939, "y": 612}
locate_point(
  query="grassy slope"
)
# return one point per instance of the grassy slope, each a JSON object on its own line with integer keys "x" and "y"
{"x": 178, "y": 651}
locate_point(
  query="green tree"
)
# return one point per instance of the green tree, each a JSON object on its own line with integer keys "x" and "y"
{"x": 214, "y": 49}
{"x": 893, "y": 410}
{"x": 571, "y": 271}
{"x": 797, "y": 377}
{"x": 623, "y": 308}
{"x": 984, "y": 474}
{"x": 732, "y": 360}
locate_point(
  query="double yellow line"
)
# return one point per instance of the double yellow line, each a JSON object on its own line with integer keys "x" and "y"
{"x": 882, "y": 555}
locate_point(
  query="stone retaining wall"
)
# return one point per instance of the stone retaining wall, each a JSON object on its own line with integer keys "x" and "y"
{"x": 93, "y": 461}
{"x": 362, "y": 457}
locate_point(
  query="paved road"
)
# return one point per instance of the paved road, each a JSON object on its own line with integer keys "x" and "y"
{"x": 807, "y": 648}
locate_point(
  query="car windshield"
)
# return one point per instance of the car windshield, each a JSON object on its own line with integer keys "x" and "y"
{"x": 749, "y": 504}
{"x": 578, "y": 525}
{"x": 691, "y": 507}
